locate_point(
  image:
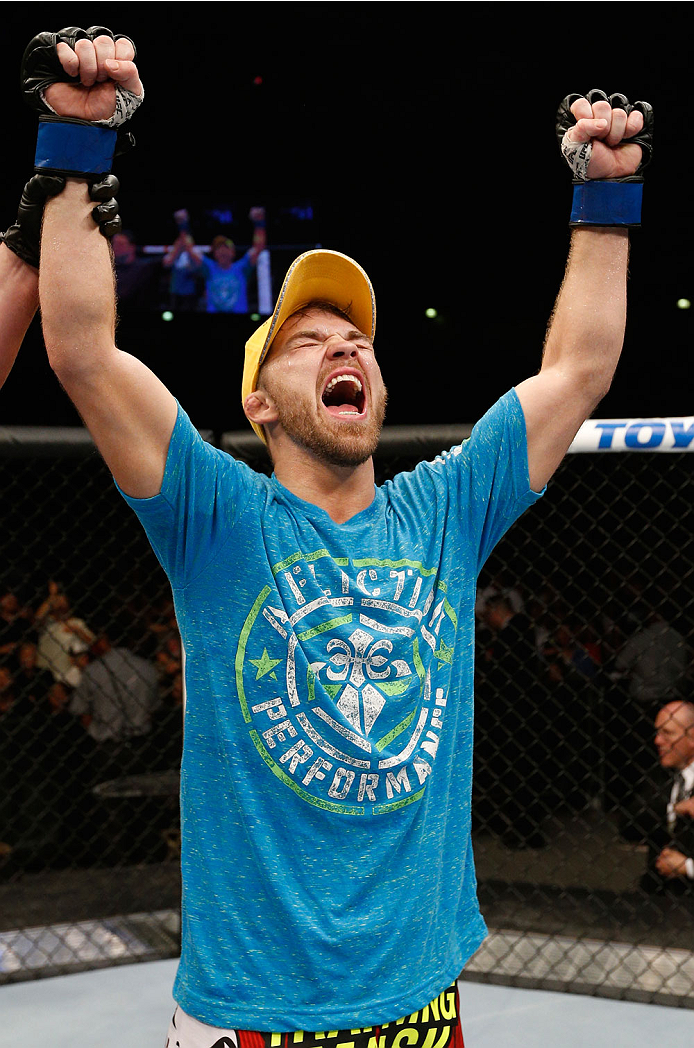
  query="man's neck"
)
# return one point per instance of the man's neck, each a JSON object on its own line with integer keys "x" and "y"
{"x": 342, "y": 491}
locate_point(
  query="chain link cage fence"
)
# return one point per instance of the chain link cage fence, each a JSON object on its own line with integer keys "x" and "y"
{"x": 585, "y": 626}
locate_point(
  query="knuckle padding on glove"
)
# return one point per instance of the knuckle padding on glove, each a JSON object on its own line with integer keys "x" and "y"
{"x": 606, "y": 202}
{"x": 41, "y": 186}
{"x": 98, "y": 30}
{"x": 566, "y": 120}
{"x": 645, "y": 136}
{"x": 106, "y": 214}
{"x": 41, "y": 66}
{"x": 104, "y": 190}
{"x": 620, "y": 101}
{"x": 107, "y": 218}
{"x": 24, "y": 236}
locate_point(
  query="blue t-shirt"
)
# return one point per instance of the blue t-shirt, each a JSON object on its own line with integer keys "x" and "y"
{"x": 328, "y": 877}
{"x": 184, "y": 275}
{"x": 227, "y": 289}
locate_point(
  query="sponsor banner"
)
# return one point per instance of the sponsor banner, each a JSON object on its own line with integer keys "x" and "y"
{"x": 637, "y": 434}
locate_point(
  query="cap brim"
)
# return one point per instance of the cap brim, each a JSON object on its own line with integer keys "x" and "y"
{"x": 317, "y": 275}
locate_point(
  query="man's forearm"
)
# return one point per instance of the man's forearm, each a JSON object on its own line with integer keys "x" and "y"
{"x": 259, "y": 241}
{"x": 76, "y": 283}
{"x": 582, "y": 348}
{"x": 18, "y": 303}
{"x": 586, "y": 331}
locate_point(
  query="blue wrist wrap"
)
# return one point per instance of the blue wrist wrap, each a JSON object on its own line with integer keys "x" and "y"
{"x": 597, "y": 203}
{"x": 73, "y": 147}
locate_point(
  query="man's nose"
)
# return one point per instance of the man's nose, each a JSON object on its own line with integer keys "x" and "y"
{"x": 338, "y": 347}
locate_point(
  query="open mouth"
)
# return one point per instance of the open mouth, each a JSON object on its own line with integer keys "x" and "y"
{"x": 343, "y": 395}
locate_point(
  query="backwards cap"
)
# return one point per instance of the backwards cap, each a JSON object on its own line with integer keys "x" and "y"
{"x": 322, "y": 275}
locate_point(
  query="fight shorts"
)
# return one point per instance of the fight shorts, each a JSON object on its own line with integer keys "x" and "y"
{"x": 435, "y": 1026}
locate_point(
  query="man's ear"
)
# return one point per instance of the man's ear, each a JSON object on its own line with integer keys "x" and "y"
{"x": 259, "y": 407}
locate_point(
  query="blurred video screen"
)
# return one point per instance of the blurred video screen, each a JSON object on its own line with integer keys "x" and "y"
{"x": 211, "y": 256}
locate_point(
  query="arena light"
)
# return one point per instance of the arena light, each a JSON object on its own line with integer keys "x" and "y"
{"x": 431, "y": 313}
{"x": 255, "y": 317}
{"x": 167, "y": 315}
{"x": 684, "y": 303}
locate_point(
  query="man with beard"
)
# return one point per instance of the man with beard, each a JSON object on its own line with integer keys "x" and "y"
{"x": 327, "y": 624}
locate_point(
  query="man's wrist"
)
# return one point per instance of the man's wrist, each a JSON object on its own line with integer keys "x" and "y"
{"x": 606, "y": 231}
{"x": 605, "y": 203}
{"x": 66, "y": 146}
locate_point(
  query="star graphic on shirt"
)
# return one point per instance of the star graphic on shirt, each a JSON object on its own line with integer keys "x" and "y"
{"x": 265, "y": 665}
{"x": 444, "y": 653}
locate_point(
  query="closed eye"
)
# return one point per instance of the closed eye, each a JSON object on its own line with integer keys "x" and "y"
{"x": 308, "y": 339}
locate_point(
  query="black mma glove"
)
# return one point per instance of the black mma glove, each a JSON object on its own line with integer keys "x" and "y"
{"x": 67, "y": 145}
{"x": 606, "y": 201}
{"x": 106, "y": 214}
{"x": 24, "y": 236}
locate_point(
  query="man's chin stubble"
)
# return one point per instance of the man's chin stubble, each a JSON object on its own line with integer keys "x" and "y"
{"x": 348, "y": 448}
{"x": 348, "y": 445}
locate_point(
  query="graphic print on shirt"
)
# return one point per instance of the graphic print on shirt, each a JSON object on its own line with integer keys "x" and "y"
{"x": 342, "y": 673}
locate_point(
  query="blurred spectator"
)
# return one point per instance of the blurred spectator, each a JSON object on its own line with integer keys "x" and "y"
{"x": 501, "y": 585}
{"x": 511, "y": 737}
{"x": 184, "y": 260}
{"x": 648, "y": 671}
{"x": 62, "y": 637}
{"x": 7, "y": 693}
{"x": 117, "y": 699}
{"x": 61, "y": 803}
{"x": 31, "y": 682}
{"x": 137, "y": 277}
{"x": 156, "y": 620}
{"x": 41, "y": 764}
{"x": 654, "y": 661}
{"x": 574, "y": 710}
{"x": 117, "y": 695}
{"x": 170, "y": 657}
{"x": 563, "y": 647}
{"x": 162, "y": 618}
{"x": 226, "y": 277}
{"x": 14, "y": 622}
{"x": 8, "y": 779}
{"x": 671, "y": 841}
{"x": 544, "y": 611}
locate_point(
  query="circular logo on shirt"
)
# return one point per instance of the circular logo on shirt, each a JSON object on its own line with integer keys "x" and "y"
{"x": 342, "y": 672}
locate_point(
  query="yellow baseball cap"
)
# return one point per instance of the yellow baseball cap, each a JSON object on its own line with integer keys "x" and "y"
{"x": 319, "y": 274}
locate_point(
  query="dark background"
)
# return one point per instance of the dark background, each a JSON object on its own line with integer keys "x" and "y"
{"x": 423, "y": 136}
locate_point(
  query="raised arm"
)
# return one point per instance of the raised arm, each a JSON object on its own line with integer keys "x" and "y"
{"x": 583, "y": 346}
{"x": 19, "y": 298}
{"x": 257, "y": 217}
{"x": 183, "y": 243}
{"x": 19, "y": 256}
{"x": 19, "y": 263}
{"x": 128, "y": 411}
{"x": 586, "y": 331}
